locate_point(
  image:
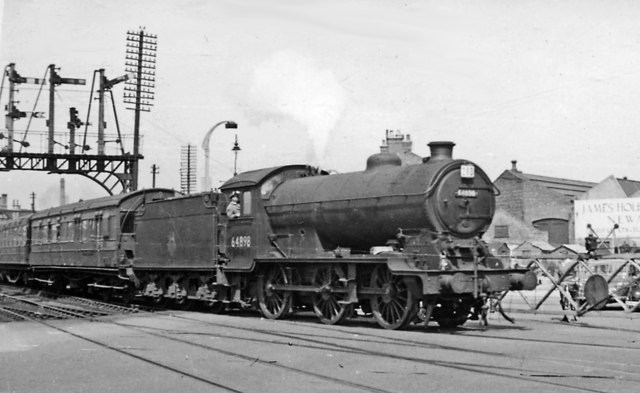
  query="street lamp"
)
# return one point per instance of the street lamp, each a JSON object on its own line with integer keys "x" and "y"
{"x": 205, "y": 147}
{"x": 235, "y": 149}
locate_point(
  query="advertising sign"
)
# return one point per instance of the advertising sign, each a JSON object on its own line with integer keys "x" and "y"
{"x": 603, "y": 214}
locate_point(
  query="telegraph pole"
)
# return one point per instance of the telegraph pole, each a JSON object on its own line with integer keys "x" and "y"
{"x": 154, "y": 171}
{"x": 141, "y": 61}
{"x": 188, "y": 169}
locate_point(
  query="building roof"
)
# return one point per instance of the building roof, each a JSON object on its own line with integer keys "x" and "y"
{"x": 630, "y": 187}
{"x": 541, "y": 245}
{"x": 575, "y": 248}
{"x": 570, "y": 188}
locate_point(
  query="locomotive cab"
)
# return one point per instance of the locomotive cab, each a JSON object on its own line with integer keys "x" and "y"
{"x": 249, "y": 236}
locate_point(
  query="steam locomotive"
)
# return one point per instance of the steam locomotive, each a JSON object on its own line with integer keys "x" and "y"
{"x": 395, "y": 242}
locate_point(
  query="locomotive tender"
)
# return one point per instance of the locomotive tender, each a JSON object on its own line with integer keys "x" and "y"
{"x": 392, "y": 240}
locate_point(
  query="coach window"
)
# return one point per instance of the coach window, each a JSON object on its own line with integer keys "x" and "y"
{"x": 86, "y": 230}
{"x": 42, "y": 233}
{"x": 127, "y": 223}
{"x": 68, "y": 231}
{"x": 35, "y": 233}
{"x": 246, "y": 203}
{"x": 63, "y": 231}
{"x": 97, "y": 226}
{"x": 77, "y": 229}
{"x": 106, "y": 228}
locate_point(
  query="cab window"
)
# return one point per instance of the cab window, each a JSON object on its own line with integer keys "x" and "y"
{"x": 246, "y": 203}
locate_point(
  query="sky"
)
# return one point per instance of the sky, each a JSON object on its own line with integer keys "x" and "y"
{"x": 554, "y": 85}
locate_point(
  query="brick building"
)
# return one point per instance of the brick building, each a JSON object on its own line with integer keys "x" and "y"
{"x": 397, "y": 143}
{"x": 15, "y": 211}
{"x": 534, "y": 208}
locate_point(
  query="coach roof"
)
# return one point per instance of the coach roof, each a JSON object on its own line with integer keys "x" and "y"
{"x": 98, "y": 203}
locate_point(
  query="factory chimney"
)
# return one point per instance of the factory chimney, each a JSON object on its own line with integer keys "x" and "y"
{"x": 63, "y": 195}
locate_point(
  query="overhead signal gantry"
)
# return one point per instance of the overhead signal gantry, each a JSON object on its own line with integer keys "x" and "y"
{"x": 113, "y": 172}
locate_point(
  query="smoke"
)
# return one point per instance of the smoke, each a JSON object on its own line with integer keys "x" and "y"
{"x": 288, "y": 84}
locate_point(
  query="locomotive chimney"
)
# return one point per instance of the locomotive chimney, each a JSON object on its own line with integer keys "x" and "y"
{"x": 441, "y": 150}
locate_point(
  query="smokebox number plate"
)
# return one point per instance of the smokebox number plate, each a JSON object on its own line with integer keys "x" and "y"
{"x": 467, "y": 171}
{"x": 466, "y": 193}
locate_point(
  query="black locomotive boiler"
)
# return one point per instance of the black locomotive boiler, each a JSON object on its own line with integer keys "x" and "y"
{"x": 391, "y": 241}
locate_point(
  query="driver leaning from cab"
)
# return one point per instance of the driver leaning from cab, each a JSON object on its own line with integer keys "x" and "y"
{"x": 233, "y": 209}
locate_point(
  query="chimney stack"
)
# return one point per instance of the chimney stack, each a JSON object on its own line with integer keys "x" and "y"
{"x": 63, "y": 195}
{"x": 513, "y": 166}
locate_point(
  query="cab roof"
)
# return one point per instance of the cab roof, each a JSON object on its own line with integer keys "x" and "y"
{"x": 256, "y": 177}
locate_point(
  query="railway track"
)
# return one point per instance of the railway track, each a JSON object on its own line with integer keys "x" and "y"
{"x": 20, "y": 305}
{"x": 469, "y": 353}
{"x": 546, "y": 379}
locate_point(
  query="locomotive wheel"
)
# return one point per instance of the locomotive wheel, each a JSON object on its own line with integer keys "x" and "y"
{"x": 326, "y": 302}
{"x": 184, "y": 304}
{"x": 274, "y": 303}
{"x": 128, "y": 295}
{"x": 13, "y": 278}
{"x": 216, "y": 307}
{"x": 182, "y": 301}
{"x": 159, "y": 300}
{"x": 106, "y": 295}
{"x": 396, "y": 307}
{"x": 58, "y": 285}
{"x": 452, "y": 314}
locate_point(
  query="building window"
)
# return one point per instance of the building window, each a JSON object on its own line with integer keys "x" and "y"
{"x": 501, "y": 231}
